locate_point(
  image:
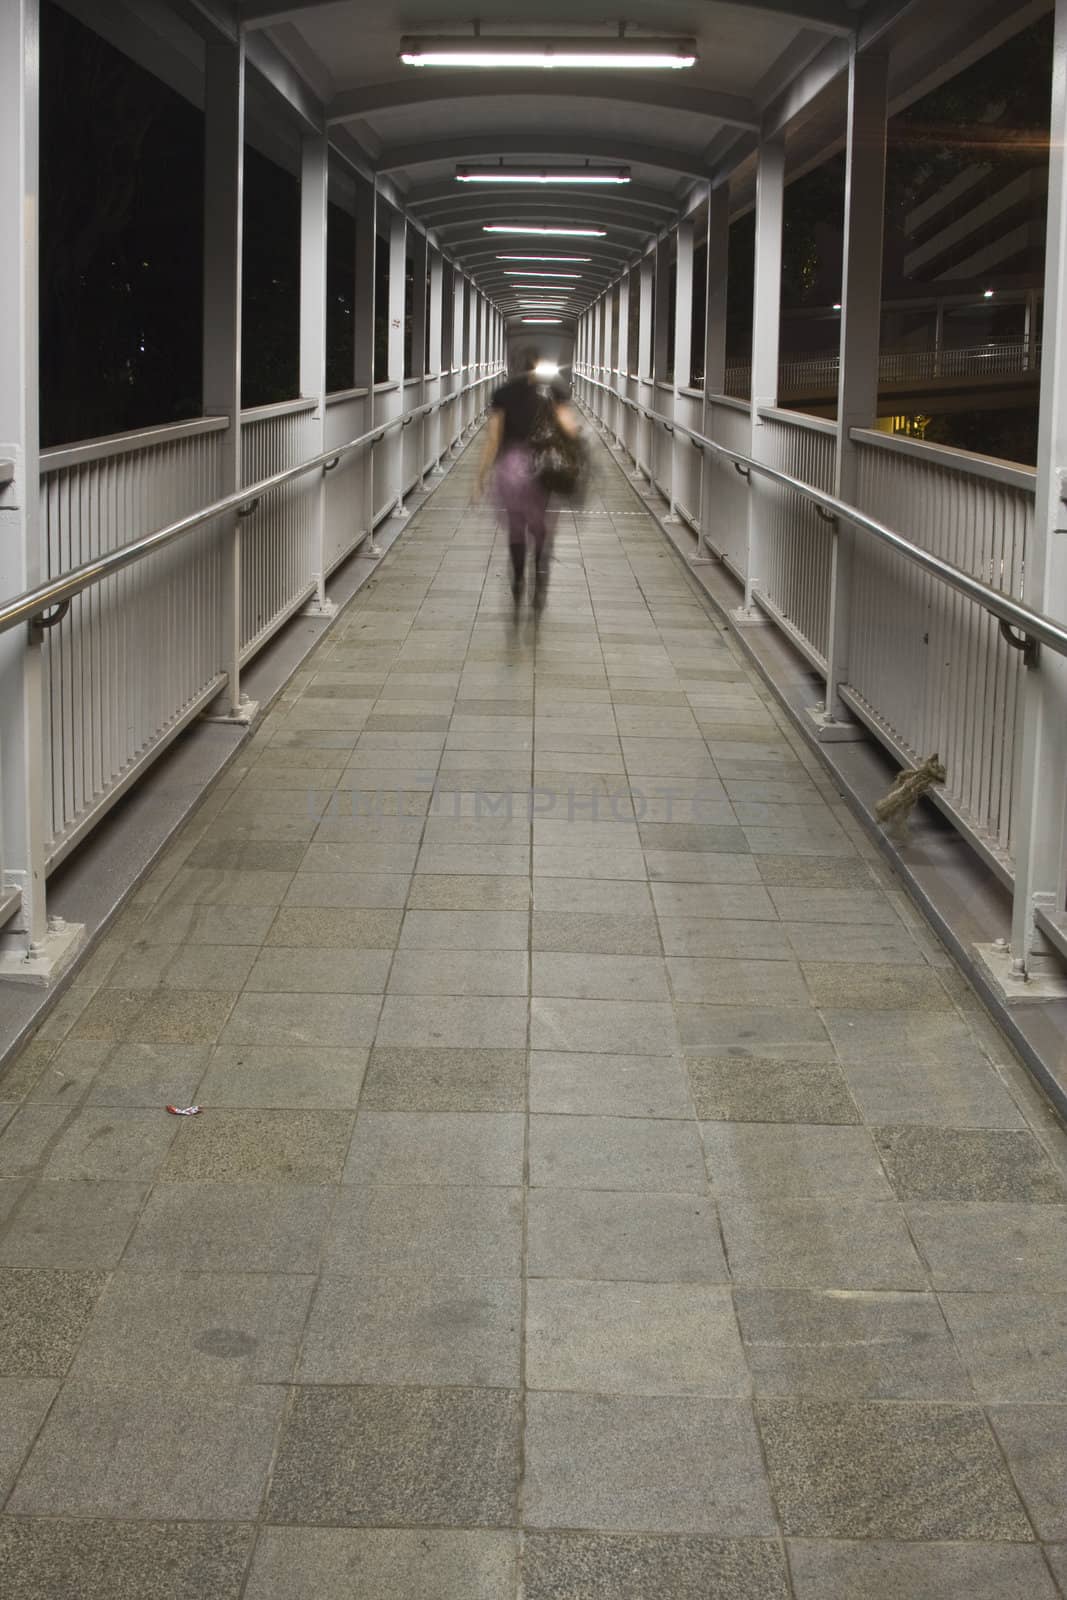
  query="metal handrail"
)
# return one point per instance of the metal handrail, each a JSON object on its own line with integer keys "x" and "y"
{"x": 1008, "y": 612}
{"x": 35, "y": 603}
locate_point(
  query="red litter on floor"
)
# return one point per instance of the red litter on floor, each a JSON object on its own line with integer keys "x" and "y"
{"x": 184, "y": 1111}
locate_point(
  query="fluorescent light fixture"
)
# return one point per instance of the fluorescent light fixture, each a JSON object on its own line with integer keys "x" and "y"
{"x": 540, "y": 321}
{"x": 567, "y": 233}
{"x": 546, "y": 369}
{"x": 988, "y": 294}
{"x": 601, "y": 175}
{"x": 524, "y": 272}
{"x": 837, "y": 305}
{"x": 559, "y": 259}
{"x": 454, "y": 50}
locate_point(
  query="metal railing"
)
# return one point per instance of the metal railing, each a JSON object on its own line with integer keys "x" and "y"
{"x": 130, "y": 630}
{"x": 938, "y": 641}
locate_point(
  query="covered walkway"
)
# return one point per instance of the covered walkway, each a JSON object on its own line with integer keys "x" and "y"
{"x": 631, "y": 1201}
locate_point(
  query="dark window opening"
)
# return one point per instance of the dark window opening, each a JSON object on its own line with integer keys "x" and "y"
{"x": 699, "y": 323}
{"x": 633, "y": 325}
{"x": 409, "y": 317}
{"x": 270, "y": 302}
{"x": 340, "y": 299}
{"x": 121, "y": 241}
{"x": 381, "y": 310}
{"x": 741, "y": 264}
{"x": 672, "y": 319}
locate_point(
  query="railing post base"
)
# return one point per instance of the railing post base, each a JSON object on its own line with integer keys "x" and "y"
{"x": 748, "y": 616}
{"x": 46, "y": 961}
{"x": 373, "y": 550}
{"x": 240, "y": 715}
{"x": 320, "y": 608}
{"x": 1045, "y": 979}
{"x": 400, "y": 511}
{"x": 834, "y": 730}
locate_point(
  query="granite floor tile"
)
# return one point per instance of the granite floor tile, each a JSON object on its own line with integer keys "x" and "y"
{"x": 592, "y": 1566}
{"x": 334, "y": 927}
{"x": 24, "y": 1404}
{"x": 877, "y": 1570}
{"x": 952, "y": 1095}
{"x": 347, "y": 891}
{"x": 401, "y": 1563}
{"x": 648, "y": 1338}
{"x": 392, "y": 1147}
{"x": 495, "y": 931}
{"x": 307, "y": 970}
{"x": 615, "y": 1153}
{"x": 1014, "y": 1346}
{"x": 969, "y": 1164}
{"x": 801, "y": 1161}
{"x": 704, "y": 867}
{"x": 112, "y": 1143}
{"x": 427, "y": 1230}
{"x": 468, "y": 892}
{"x": 459, "y": 972}
{"x": 257, "y": 1146}
{"x": 762, "y": 1089}
{"x": 888, "y": 1038}
{"x": 861, "y": 986}
{"x": 826, "y": 1244}
{"x": 155, "y": 1016}
{"x": 719, "y": 981}
{"x": 723, "y": 939}
{"x": 628, "y": 900}
{"x": 790, "y": 871}
{"x": 43, "y": 1317}
{"x": 203, "y": 1329}
{"x": 402, "y": 1328}
{"x": 645, "y": 1463}
{"x": 368, "y": 1457}
{"x": 297, "y": 1077}
{"x": 72, "y": 1226}
{"x": 453, "y": 1022}
{"x": 145, "y": 1451}
{"x": 829, "y": 1345}
{"x": 599, "y": 977}
{"x": 1034, "y": 1440}
{"x": 615, "y": 1027}
{"x": 231, "y": 1228}
{"x": 626, "y": 1236}
{"x": 570, "y": 1083}
{"x": 148, "y": 1075}
{"x": 122, "y": 1560}
{"x": 789, "y": 1032}
{"x": 999, "y": 1248}
{"x": 303, "y": 1019}
{"x": 595, "y": 934}
{"x": 888, "y": 1470}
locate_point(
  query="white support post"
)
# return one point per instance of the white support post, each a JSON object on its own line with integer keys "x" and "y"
{"x": 766, "y": 321}
{"x": 659, "y": 442}
{"x": 436, "y": 354}
{"x": 33, "y": 948}
{"x": 364, "y": 312}
{"x": 644, "y": 357}
{"x": 419, "y": 255}
{"x": 608, "y": 402}
{"x": 683, "y": 355}
{"x": 224, "y": 118}
{"x": 314, "y": 181}
{"x": 714, "y": 349}
{"x": 861, "y": 320}
{"x": 459, "y": 304}
{"x": 1041, "y": 840}
{"x": 622, "y": 359}
{"x": 392, "y": 446}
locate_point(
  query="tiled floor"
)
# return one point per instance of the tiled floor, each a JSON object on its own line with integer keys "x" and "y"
{"x": 626, "y": 1204}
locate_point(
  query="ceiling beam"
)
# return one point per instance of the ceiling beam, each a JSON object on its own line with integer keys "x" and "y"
{"x": 829, "y": 16}
{"x": 266, "y": 13}
{"x": 418, "y": 89}
{"x": 530, "y": 144}
{"x": 639, "y": 227}
{"x": 493, "y": 208}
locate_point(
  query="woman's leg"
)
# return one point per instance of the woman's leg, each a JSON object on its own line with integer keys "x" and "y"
{"x": 517, "y": 549}
{"x": 541, "y": 535}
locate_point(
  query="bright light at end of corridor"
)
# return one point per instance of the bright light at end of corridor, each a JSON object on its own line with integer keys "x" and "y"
{"x": 546, "y": 369}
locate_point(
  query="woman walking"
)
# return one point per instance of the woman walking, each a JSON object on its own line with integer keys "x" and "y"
{"x": 515, "y": 412}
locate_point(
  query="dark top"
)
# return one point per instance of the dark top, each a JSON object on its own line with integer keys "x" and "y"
{"x": 520, "y": 400}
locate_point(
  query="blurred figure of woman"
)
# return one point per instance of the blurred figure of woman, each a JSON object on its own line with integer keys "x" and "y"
{"x": 516, "y": 410}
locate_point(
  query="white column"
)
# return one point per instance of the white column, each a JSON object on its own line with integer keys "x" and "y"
{"x": 644, "y": 363}
{"x": 664, "y": 269}
{"x": 391, "y": 448}
{"x": 766, "y": 320}
{"x": 224, "y": 95}
{"x": 364, "y": 313}
{"x": 607, "y": 409}
{"x": 622, "y": 359}
{"x": 861, "y": 319}
{"x": 24, "y": 943}
{"x": 436, "y": 363}
{"x": 714, "y": 347}
{"x": 314, "y": 179}
{"x": 419, "y": 391}
{"x": 1041, "y": 843}
{"x": 683, "y": 355}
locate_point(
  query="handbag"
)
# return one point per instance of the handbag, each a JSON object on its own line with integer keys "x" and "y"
{"x": 558, "y": 458}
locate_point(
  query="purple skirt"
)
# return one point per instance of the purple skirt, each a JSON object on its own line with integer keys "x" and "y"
{"x": 518, "y": 492}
